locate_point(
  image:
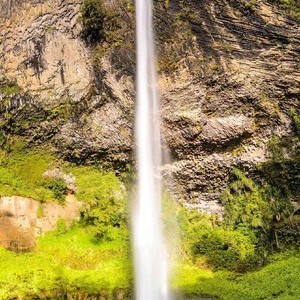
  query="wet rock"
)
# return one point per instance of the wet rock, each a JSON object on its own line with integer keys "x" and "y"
{"x": 191, "y": 181}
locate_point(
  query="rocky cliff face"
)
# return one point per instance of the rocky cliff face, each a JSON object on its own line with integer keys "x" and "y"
{"x": 41, "y": 51}
{"x": 229, "y": 82}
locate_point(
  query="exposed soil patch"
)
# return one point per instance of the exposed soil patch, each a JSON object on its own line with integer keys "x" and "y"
{"x": 23, "y": 219}
{"x": 14, "y": 238}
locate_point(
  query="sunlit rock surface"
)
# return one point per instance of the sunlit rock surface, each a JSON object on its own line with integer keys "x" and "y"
{"x": 229, "y": 79}
{"x": 23, "y": 219}
{"x": 40, "y": 48}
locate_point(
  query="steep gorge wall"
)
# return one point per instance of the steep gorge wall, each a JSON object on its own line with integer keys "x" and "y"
{"x": 229, "y": 77}
{"x": 40, "y": 48}
{"x": 234, "y": 92}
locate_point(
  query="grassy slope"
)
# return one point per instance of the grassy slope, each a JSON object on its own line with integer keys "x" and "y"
{"x": 63, "y": 263}
{"x": 73, "y": 262}
{"x": 21, "y": 173}
{"x": 279, "y": 280}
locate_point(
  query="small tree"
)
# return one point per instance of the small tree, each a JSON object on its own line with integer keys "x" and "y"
{"x": 93, "y": 14}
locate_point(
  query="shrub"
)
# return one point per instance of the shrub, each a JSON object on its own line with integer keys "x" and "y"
{"x": 93, "y": 14}
{"x": 104, "y": 194}
{"x": 225, "y": 248}
{"x": 232, "y": 249}
{"x": 245, "y": 203}
{"x": 281, "y": 175}
{"x": 57, "y": 185}
{"x": 265, "y": 208}
{"x": 61, "y": 227}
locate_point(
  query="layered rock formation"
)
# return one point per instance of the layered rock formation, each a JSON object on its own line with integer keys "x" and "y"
{"x": 229, "y": 79}
{"x": 40, "y": 50}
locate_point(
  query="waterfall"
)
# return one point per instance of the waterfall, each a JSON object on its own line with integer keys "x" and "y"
{"x": 150, "y": 257}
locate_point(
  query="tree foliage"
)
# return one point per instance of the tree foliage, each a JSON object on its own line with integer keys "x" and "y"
{"x": 93, "y": 15}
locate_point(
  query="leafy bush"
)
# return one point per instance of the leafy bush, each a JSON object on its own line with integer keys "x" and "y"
{"x": 281, "y": 175}
{"x": 245, "y": 203}
{"x": 57, "y": 185}
{"x": 223, "y": 248}
{"x": 282, "y": 171}
{"x": 266, "y": 208}
{"x": 93, "y": 14}
{"x": 104, "y": 194}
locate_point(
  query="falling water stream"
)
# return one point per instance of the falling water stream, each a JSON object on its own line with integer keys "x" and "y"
{"x": 150, "y": 257}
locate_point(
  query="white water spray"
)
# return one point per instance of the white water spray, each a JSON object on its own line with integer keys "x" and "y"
{"x": 151, "y": 278}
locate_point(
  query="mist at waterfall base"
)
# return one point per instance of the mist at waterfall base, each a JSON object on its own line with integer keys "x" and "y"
{"x": 150, "y": 258}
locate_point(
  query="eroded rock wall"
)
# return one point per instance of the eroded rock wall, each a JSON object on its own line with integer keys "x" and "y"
{"x": 41, "y": 50}
{"x": 229, "y": 79}
{"x": 23, "y": 219}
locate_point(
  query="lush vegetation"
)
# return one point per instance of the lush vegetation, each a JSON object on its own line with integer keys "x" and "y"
{"x": 73, "y": 264}
{"x": 93, "y": 257}
{"x": 232, "y": 259}
{"x": 21, "y": 174}
{"x": 106, "y": 212}
{"x": 257, "y": 224}
{"x": 291, "y": 6}
{"x": 252, "y": 254}
{"x": 65, "y": 263}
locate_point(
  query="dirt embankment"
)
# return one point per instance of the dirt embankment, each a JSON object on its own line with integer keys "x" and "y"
{"x": 23, "y": 219}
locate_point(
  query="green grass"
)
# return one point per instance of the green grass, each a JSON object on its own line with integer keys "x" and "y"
{"x": 21, "y": 174}
{"x": 65, "y": 263}
{"x": 73, "y": 263}
{"x": 279, "y": 280}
